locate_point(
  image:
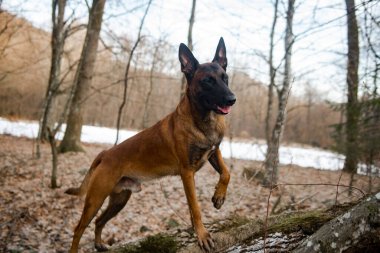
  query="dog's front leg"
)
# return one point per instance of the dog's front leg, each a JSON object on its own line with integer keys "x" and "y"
{"x": 204, "y": 237}
{"x": 217, "y": 162}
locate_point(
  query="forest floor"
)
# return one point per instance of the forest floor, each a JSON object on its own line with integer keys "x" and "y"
{"x": 36, "y": 218}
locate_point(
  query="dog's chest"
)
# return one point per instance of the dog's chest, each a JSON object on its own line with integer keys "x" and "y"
{"x": 205, "y": 141}
{"x": 200, "y": 151}
{"x": 198, "y": 155}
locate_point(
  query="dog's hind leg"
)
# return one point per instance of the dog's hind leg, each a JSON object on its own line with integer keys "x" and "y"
{"x": 99, "y": 189}
{"x": 117, "y": 201}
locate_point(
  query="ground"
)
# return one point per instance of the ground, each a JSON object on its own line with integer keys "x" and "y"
{"x": 34, "y": 217}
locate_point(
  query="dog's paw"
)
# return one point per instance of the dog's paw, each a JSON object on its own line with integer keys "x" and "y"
{"x": 218, "y": 201}
{"x": 219, "y": 197}
{"x": 205, "y": 241}
{"x": 100, "y": 247}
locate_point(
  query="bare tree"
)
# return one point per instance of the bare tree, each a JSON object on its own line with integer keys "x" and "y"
{"x": 52, "y": 132}
{"x": 119, "y": 115}
{"x": 58, "y": 37}
{"x": 150, "y": 89}
{"x": 189, "y": 43}
{"x": 272, "y": 76}
{"x": 352, "y": 108}
{"x": 83, "y": 78}
{"x": 272, "y": 156}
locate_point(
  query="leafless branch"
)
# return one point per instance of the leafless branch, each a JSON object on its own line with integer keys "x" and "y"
{"x": 127, "y": 72}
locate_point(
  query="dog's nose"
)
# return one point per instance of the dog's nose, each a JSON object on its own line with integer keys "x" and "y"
{"x": 230, "y": 99}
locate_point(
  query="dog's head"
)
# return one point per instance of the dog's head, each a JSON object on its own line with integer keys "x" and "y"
{"x": 207, "y": 84}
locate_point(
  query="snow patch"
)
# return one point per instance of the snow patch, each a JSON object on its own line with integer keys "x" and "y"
{"x": 246, "y": 150}
{"x": 377, "y": 196}
{"x": 333, "y": 245}
{"x": 309, "y": 244}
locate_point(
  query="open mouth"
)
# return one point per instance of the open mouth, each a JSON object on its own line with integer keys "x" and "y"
{"x": 223, "y": 109}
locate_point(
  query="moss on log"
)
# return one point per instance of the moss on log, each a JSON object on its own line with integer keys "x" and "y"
{"x": 315, "y": 226}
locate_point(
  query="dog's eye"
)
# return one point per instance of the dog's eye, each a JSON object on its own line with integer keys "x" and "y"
{"x": 209, "y": 80}
{"x": 225, "y": 79}
{"x": 207, "y": 83}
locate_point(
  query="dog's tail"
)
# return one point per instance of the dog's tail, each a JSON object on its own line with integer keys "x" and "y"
{"x": 82, "y": 189}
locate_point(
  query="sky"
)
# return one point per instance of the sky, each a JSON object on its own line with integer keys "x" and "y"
{"x": 319, "y": 27}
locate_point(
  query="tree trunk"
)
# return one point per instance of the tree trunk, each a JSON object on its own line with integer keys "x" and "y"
{"x": 83, "y": 78}
{"x": 272, "y": 156}
{"x": 189, "y": 44}
{"x": 352, "y": 107}
{"x": 54, "y": 154}
{"x": 272, "y": 76}
{"x": 57, "y": 44}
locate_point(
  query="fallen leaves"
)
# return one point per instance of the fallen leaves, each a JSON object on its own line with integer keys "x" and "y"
{"x": 34, "y": 217}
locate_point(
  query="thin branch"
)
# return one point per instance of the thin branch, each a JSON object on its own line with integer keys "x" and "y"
{"x": 127, "y": 73}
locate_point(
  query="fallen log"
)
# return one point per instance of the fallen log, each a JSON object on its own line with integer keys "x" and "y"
{"x": 350, "y": 228}
{"x": 357, "y": 230}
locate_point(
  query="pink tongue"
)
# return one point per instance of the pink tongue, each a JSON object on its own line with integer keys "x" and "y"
{"x": 225, "y": 109}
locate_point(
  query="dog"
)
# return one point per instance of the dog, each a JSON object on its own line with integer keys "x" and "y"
{"x": 179, "y": 144}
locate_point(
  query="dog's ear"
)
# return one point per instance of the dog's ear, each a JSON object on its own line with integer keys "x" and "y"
{"x": 188, "y": 62}
{"x": 221, "y": 54}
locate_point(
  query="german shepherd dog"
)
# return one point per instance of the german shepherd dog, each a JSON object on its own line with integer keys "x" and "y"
{"x": 179, "y": 144}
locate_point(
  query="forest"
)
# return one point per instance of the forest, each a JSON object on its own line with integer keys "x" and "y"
{"x": 302, "y": 141}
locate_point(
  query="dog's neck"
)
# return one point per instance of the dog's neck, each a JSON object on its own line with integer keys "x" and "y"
{"x": 200, "y": 118}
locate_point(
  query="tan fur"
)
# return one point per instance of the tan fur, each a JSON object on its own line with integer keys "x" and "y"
{"x": 80, "y": 191}
{"x": 179, "y": 144}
